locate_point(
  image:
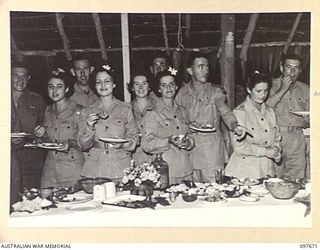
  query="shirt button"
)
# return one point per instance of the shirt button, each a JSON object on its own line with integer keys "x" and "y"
{"x": 55, "y": 129}
{"x": 141, "y": 126}
{"x": 141, "y": 115}
{"x": 107, "y": 152}
{"x": 252, "y": 128}
{"x": 262, "y": 119}
{"x": 265, "y": 142}
{"x": 243, "y": 157}
{"x": 167, "y": 124}
{"x": 68, "y": 127}
{"x": 175, "y": 116}
{"x": 290, "y": 109}
{"x": 178, "y": 127}
{"x": 266, "y": 130}
{"x": 106, "y": 127}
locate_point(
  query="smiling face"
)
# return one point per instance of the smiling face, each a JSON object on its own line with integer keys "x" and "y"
{"x": 19, "y": 78}
{"x": 140, "y": 86}
{"x": 199, "y": 70}
{"x": 57, "y": 89}
{"x": 167, "y": 87}
{"x": 104, "y": 84}
{"x": 292, "y": 68}
{"x": 82, "y": 70}
{"x": 259, "y": 92}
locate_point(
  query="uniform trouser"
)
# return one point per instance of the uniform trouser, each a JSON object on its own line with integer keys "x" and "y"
{"x": 294, "y": 154}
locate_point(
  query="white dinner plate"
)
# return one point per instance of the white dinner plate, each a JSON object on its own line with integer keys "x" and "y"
{"x": 24, "y": 213}
{"x": 50, "y": 145}
{"x": 205, "y": 130}
{"x": 113, "y": 140}
{"x": 71, "y": 199}
{"x": 251, "y": 182}
{"x": 128, "y": 198}
{"x": 20, "y": 135}
{"x": 259, "y": 191}
{"x": 203, "y": 199}
{"x": 251, "y": 198}
{"x": 301, "y": 113}
{"x": 84, "y": 207}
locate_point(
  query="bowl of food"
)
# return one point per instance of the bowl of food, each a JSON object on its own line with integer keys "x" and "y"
{"x": 87, "y": 184}
{"x": 189, "y": 197}
{"x": 282, "y": 190}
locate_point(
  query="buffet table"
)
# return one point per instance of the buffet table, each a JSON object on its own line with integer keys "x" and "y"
{"x": 267, "y": 212}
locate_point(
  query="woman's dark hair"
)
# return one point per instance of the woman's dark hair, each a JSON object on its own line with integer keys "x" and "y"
{"x": 60, "y": 73}
{"x": 131, "y": 83}
{"x": 257, "y": 77}
{"x": 162, "y": 74}
{"x": 193, "y": 56}
{"x": 105, "y": 68}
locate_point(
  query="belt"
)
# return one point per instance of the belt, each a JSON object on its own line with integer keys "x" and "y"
{"x": 290, "y": 128}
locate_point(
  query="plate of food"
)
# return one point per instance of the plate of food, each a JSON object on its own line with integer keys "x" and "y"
{"x": 249, "y": 198}
{"x": 127, "y": 201}
{"x": 19, "y": 135}
{"x": 204, "y": 128}
{"x": 113, "y": 140}
{"x": 84, "y": 207}
{"x": 50, "y": 145}
{"x": 245, "y": 181}
{"x": 301, "y": 113}
{"x": 213, "y": 200}
{"x": 72, "y": 199}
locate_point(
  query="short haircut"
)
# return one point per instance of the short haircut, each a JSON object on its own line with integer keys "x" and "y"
{"x": 257, "y": 77}
{"x": 20, "y": 64}
{"x": 60, "y": 73}
{"x": 193, "y": 56}
{"x": 162, "y": 74}
{"x": 81, "y": 57}
{"x": 137, "y": 73}
{"x": 285, "y": 57}
{"x": 160, "y": 54}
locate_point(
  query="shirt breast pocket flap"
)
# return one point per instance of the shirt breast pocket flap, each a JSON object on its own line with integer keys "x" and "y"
{"x": 119, "y": 122}
{"x": 167, "y": 123}
{"x": 68, "y": 126}
{"x": 121, "y": 154}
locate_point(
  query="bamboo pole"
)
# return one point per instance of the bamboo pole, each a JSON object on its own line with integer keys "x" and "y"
{"x": 16, "y": 51}
{"x": 125, "y": 55}
{"x": 227, "y": 57}
{"x": 246, "y": 43}
{"x": 188, "y": 26}
{"x": 64, "y": 37}
{"x": 202, "y": 49}
{"x": 165, "y": 33}
{"x": 291, "y": 35}
{"x": 97, "y": 23}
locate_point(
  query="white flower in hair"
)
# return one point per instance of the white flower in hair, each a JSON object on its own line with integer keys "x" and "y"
{"x": 57, "y": 71}
{"x": 173, "y": 71}
{"x": 106, "y": 67}
{"x": 256, "y": 72}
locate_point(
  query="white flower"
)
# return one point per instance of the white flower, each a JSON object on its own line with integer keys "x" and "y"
{"x": 173, "y": 71}
{"x": 125, "y": 179}
{"x": 57, "y": 71}
{"x": 131, "y": 177}
{"x": 137, "y": 182}
{"x": 106, "y": 67}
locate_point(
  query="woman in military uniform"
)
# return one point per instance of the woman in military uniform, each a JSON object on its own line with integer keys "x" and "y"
{"x": 63, "y": 166}
{"x": 255, "y": 155}
{"x": 166, "y": 130}
{"x": 140, "y": 89}
{"x": 108, "y": 131}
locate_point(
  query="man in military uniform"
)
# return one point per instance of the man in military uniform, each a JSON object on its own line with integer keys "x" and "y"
{"x": 205, "y": 104}
{"x": 288, "y": 95}
{"x": 82, "y": 70}
{"x": 29, "y": 110}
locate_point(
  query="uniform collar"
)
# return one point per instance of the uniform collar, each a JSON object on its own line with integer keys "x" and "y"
{"x": 78, "y": 89}
{"x": 189, "y": 89}
{"x": 162, "y": 107}
{"x": 251, "y": 108}
{"x": 150, "y": 105}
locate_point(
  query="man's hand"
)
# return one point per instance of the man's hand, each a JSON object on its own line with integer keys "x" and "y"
{"x": 39, "y": 131}
{"x": 239, "y": 132}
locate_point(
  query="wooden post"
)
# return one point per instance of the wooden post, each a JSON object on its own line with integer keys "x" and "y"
{"x": 188, "y": 26}
{"x": 125, "y": 55}
{"x": 15, "y": 50}
{"x": 64, "y": 37}
{"x": 227, "y": 57}
{"x": 165, "y": 33}
{"x": 97, "y": 23}
{"x": 291, "y": 35}
{"x": 246, "y": 43}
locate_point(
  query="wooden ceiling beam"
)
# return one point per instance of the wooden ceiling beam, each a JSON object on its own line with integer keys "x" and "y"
{"x": 64, "y": 37}
{"x": 97, "y": 23}
{"x": 292, "y": 33}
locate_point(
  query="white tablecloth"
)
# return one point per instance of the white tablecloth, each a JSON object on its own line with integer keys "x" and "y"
{"x": 268, "y": 212}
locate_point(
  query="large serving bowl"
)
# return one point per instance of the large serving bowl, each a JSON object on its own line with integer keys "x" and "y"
{"x": 282, "y": 190}
{"x": 87, "y": 184}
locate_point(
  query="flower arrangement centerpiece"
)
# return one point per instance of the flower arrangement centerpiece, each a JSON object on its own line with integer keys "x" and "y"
{"x": 141, "y": 179}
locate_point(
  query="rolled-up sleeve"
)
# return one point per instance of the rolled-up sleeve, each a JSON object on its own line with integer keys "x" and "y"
{"x": 225, "y": 111}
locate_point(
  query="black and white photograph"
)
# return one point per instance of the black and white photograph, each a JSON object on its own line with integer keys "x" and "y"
{"x": 159, "y": 119}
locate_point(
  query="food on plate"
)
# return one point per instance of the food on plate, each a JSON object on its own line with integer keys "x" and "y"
{"x": 31, "y": 202}
{"x": 201, "y": 126}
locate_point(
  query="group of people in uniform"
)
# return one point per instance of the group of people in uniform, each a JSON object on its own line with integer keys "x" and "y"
{"x": 266, "y": 136}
